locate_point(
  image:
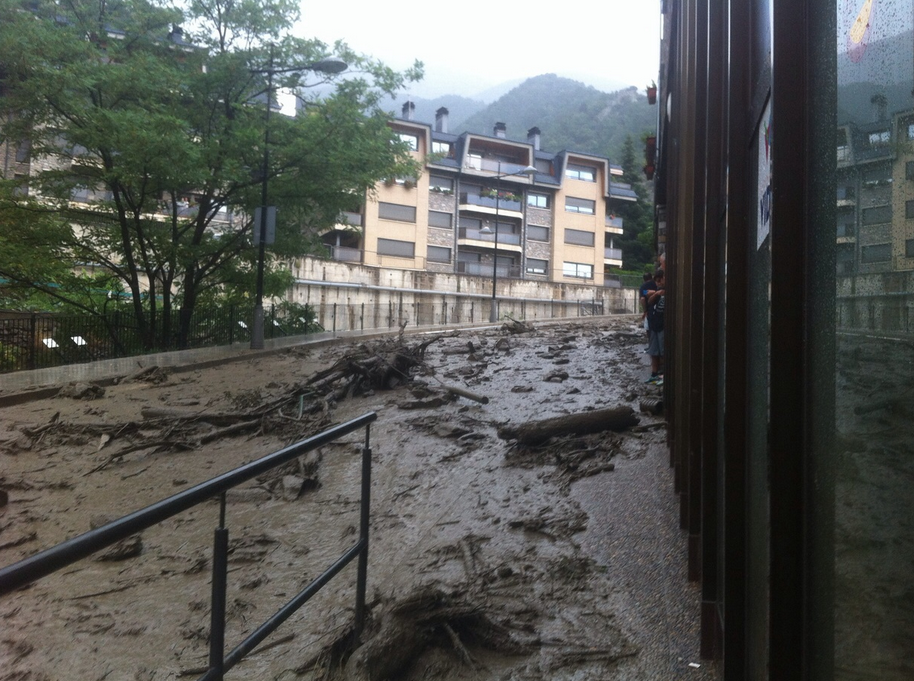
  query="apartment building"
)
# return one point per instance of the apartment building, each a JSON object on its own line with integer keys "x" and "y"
{"x": 479, "y": 208}
{"x": 875, "y": 188}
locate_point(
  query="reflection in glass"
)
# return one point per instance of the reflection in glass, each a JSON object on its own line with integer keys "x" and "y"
{"x": 874, "y": 457}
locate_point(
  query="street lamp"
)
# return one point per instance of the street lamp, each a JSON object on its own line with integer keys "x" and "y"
{"x": 529, "y": 171}
{"x": 330, "y": 65}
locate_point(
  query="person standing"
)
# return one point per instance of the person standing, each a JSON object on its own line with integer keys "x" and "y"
{"x": 656, "y": 302}
{"x": 646, "y": 287}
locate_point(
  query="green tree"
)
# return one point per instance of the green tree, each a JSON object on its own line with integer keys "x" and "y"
{"x": 637, "y": 241}
{"x": 147, "y": 147}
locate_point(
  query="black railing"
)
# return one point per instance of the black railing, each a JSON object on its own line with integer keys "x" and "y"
{"x": 38, "y": 340}
{"x": 58, "y": 557}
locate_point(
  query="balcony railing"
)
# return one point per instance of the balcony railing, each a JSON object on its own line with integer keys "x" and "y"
{"x": 467, "y": 198}
{"x": 612, "y": 253}
{"x": 488, "y": 165}
{"x": 345, "y": 254}
{"x": 485, "y": 270}
{"x": 503, "y": 237}
{"x": 613, "y": 221}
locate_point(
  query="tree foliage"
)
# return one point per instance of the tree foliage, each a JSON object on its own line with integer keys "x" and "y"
{"x": 147, "y": 147}
{"x": 637, "y": 242}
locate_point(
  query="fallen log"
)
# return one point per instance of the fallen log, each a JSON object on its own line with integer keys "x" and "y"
{"x": 467, "y": 394}
{"x": 536, "y": 432}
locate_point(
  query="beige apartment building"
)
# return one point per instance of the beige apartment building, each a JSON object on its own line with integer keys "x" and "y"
{"x": 479, "y": 208}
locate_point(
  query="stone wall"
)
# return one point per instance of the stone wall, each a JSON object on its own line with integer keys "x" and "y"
{"x": 351, "y": 296}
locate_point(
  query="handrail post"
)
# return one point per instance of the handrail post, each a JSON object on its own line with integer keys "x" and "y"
{"x": 365, "y": 513}
{"x": 217, "y": 603}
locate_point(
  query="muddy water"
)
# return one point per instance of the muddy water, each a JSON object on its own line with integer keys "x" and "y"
{"x": 521, "y": 569}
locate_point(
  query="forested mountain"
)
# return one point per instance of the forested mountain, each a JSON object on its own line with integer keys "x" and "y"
{"x": 569, "y": 114}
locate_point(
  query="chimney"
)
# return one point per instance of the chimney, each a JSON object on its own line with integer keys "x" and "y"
{"x": 533, "y": 137}
{"x": 880, "y": 105}
{"x": 408, "y": 109}
{"x": 177, "y": 34}
{"x": 441, "y": 120}
{"x": 501, "y": 130}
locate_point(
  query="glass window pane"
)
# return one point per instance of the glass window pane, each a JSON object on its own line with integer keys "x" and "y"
{"x": 866, "y": 450}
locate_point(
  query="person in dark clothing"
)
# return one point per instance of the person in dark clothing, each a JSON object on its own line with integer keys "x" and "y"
{"x": 646, "y": 287}
{"x": 656, "y": 302}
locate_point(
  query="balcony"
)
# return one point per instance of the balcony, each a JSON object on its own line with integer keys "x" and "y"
{"x": 612, "y": 254}
{"x": 613, "y": 221}
{"x": 504, "y": 238}
{"x": 345, "y": 254}
{"x": 468, "y": 199}
{"x": 482, "y": 269}
{"x": 490, "y": 166}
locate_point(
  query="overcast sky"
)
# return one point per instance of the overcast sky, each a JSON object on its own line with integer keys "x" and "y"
{"x": 477, "y": 44}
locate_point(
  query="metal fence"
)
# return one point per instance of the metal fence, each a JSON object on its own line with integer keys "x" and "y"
{"x": 38, "y": 340}
{"x": 58, "y": 557}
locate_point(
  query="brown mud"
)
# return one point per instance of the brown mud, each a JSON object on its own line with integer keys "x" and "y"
{"x": 476, "y": 566}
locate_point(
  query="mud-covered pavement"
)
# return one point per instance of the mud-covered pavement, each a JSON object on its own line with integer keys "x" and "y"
{"x": 487, "y": 560}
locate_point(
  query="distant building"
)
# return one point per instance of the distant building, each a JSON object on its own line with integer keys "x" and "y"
{"x": 555, "y": 225}
{"x": 874, "y": 211}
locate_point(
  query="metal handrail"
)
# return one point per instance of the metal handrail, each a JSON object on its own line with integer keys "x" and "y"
{"x": 66, "y": 553}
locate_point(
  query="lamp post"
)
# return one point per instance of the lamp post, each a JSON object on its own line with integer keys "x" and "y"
{"x": 529, "y": 171}
{"x": 330, "y": 66}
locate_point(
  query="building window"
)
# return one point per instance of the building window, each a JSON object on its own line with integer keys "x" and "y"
{"x": 22, "y": 151}
{"x": 876, "y": 253}
{"x": 843, "y": 151}
{"x": 537, "y": 233}
{"x": 440, "y": 184}
{"x": 909, "y": 210}
{"x": 877, "y": 215}
{"x": 401, "y": 249}
{"x": 880, "y": 138}
{"x": 411, "y": 141}
{"x": 578, "y": 270}
{"x": 583, "y": 173}
{"x": 535, "y": 266}
{"x": 396, "y": 211}
{"x": 909, "y": 248}
{"x": 537, "y": 200}
{"x": 438, "y": 219}
{"x": 846, "y": 229}
{"x": 439, "y": 254}
{"x": 470, "y": 223}
{"x": 474, "y": 161}
{"x": 880, "y": 175}
{"x": 578, "y": 237}
{"x": 585, "y": 206}
{"x": 442, "y": 148}
{"x": 909, "y": 170}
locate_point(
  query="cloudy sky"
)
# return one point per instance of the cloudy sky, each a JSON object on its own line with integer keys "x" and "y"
{"x": 473, "y": 45}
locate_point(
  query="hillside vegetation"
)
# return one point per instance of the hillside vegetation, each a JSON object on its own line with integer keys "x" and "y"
{"x": 569, "y": 114}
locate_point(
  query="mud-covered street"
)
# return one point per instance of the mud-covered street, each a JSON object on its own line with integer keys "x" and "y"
{"x": 489, "y": 559}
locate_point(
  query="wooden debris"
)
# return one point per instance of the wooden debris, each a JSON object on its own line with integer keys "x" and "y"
{"x": 536, "y": 432}
{"x": 516, "y": 326}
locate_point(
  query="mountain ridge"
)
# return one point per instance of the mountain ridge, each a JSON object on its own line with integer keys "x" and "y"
{"x": 571, "y": 115}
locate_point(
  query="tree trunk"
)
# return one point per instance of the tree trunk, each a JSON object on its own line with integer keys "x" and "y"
{"x": 537, "y": 432}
